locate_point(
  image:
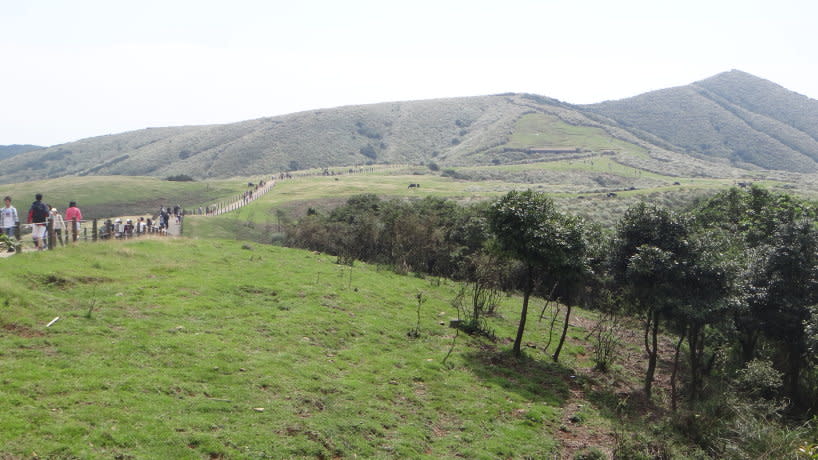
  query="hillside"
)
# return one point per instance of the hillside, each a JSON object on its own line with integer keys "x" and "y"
{"x": 8, "y": 151}
{"x": 734, "y": 115}
{"x": 706, "y": 129}
{"x": 470, "y": 131}
{"x": 162, "y": 352}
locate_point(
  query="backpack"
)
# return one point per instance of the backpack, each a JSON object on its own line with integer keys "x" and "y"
{"x": 39, "y": 212}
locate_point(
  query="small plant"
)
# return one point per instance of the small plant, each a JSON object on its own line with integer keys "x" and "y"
{"x": 8, "y": 244}
{"x": 606, "y": 343}
{"x": 92, "y": 304}
{"x": 415, "y": 333}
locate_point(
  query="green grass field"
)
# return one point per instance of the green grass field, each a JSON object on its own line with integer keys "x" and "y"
{"x": 178, "y": 348}
{"x": 108, "y": 196}
{"x": 543, "y": 130}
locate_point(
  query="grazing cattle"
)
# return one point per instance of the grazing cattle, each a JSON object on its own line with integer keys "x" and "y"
{"x": 414, "y": 185}
{"x": 677, "y": 183}
{"x": 611, "y": 195}
{"x": 250, "y": 184}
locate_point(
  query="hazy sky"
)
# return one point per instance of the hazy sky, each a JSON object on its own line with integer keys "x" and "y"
{"x": 82, "y": 68}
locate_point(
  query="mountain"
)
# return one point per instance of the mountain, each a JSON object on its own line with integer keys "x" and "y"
{"x": 8, "y": 151}
{"x": 736, "y": 116}
{"x": 704, "y": 129}
{"x": 455, "y": 132}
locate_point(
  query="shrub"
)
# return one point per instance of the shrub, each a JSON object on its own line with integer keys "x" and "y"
{"x": 433, "y": 166}
{"x": 759, "y": 379}
{"x": 369, "y": 151}
{"x": 180, "y": 178}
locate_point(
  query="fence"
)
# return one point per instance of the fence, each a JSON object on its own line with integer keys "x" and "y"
{"x": 75, "y": 230}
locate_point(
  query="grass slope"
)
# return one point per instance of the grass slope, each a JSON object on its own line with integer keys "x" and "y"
{"x": 198, "y": 349}
{"x": 468, "y": 131}
{"x": 579, "y": 185}
{"x": 106, "y": 196}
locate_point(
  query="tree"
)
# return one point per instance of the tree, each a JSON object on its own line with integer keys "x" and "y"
{"x": 528, "y": 227}
{"x": 649, "y": 245}
{"x": 784, "y": 289}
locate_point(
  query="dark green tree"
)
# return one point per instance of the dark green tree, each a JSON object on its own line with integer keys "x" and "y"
{"x": 528, "y": 227}
{"x": 650, "y": 244}
{"x": 784, "y": 288}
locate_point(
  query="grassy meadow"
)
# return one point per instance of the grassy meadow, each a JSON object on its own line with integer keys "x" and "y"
{"x": 108, "y": 196}
{"x": 580, "y": 186}
{"x": 178, "y": 348}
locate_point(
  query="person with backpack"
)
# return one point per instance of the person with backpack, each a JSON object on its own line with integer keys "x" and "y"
{"x": 38, "y": 217}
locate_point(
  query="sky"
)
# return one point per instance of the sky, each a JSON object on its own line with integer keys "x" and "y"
{"x": 82, "y": 68}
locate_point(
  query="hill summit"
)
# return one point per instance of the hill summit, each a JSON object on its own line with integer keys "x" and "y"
{"x": 732, "y": 118}
{"x": 733, "y": 115}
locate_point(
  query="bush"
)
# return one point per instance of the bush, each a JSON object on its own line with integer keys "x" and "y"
{"x": 180, "y": 178}
{"x": 758, "y": 379}
{"x": 433, "y": 166}
{"x": 369, "y": 151}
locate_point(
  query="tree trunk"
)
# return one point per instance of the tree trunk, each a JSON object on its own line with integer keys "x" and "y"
{"x": 564, "y": 333}
{"x": 675, "y": 370}
{"x": 695, "y": 343}
{"x": 652, "y": 355}
{"x": 529, "y": 286}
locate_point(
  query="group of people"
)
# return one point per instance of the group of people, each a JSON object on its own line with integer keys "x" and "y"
{"x": 166, "y": 213}
{"x": 127, "y": 229}
{"x": 38, "y": 216}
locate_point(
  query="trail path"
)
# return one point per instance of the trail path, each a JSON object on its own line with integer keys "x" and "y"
{"x": 240, "y": 202}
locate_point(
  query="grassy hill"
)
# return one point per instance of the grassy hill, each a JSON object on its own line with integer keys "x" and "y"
{"x": 486, "y": 130}
{"x": 107, "y": 196}
{"x": 204, "y": 349}
{"x": 8, "y": 151}
{"x": 735, "y": 116}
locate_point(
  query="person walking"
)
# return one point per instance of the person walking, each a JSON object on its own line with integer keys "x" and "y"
{"x": 73, "y": 216}
{"x": 59, "y": 224}
{"x": 8, "y": 219}
{"x": 38, "y": 216}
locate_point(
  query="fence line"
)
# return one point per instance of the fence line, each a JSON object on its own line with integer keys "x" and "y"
{"x": 108, "y": 230}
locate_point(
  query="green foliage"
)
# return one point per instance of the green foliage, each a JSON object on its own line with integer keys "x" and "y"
{"x": 7, "y": 243}
{"x": 758, "y": 379}
{"x": 180, "y": 178}
{"x": 528, "y": 227}
{"x": 369, "y": 151}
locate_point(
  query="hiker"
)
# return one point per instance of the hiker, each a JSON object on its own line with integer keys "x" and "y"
{"x": 118, "y": 228}
{"x": 37, "y": 216}
{"x": 73, "y": 215}
{"x": 128, "y": 228}
{"x": 141, "y": 226}
{"x": 58, "y": 223}
{"x": 8, "y": 220}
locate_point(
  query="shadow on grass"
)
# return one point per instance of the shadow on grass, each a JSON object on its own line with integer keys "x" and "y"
{"x": 535, "y": 380}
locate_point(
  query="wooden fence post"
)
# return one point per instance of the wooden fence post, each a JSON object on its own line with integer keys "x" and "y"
{"x": 74, "y": 229}
{"x": 51, "y": 234}
{"x": 94, "y": 231}
{"x": 17, "y": 230}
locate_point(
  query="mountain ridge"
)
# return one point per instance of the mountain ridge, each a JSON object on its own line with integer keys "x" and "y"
{"x": 733, "y": 119}
{"x": 761, "y": 127}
